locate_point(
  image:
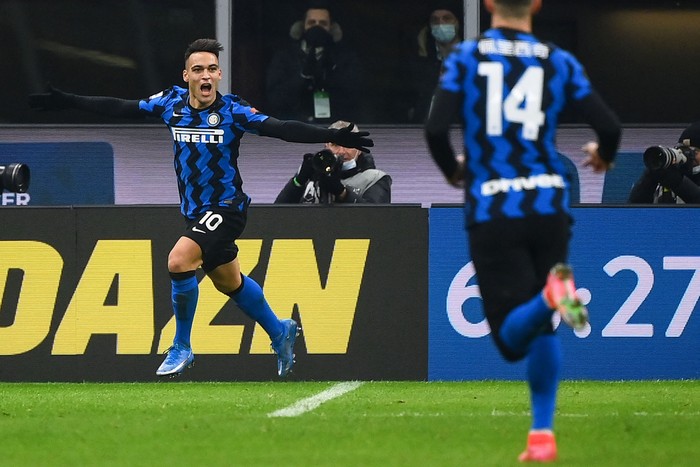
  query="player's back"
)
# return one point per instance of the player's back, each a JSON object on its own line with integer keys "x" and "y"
{"x": 514, "y": 88}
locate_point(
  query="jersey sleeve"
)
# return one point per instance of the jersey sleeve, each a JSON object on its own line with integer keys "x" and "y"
{"x": 454, "y": 70}
{"x": 246, "y": 117}
{"x": 156, "y": 104}
{"x": 579, "y": 86}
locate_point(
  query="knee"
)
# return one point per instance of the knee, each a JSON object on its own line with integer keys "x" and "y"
{"x": 226, "y": 283}
{"x": 223, "y": 287}
{"x": 180, "y": 262}
{"x": 507, "y": 353}
{"x": 175, "y": 262}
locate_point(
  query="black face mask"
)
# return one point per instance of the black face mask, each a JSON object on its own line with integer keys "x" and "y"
{"x": 317, "y": 37}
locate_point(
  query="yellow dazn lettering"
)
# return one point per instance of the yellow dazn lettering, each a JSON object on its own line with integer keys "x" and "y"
{"x": 41, "y": 266}
{"x": 131, "y": 319}
{"x": 219, "y": 339}
{"x": 327, "y": 313}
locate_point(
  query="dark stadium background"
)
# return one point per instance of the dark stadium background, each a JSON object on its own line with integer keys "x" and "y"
{"x": 641, "y": 54}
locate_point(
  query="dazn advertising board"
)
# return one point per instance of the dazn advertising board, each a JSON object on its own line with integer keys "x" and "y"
{"x": 85, "y": 294}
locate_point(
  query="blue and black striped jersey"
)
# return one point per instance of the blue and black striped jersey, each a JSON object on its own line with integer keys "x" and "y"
{"x": 206, "y": 146}
{"x": 514, "y": 87}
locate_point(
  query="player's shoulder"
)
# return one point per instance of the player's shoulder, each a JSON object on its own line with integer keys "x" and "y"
{"x": 560, "y": 53}
{"x": 237, "y": 104}
{"x": 466, "y": 46}
{"x": 171, "y": 93}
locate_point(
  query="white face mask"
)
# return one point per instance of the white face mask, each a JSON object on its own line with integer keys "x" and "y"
{"x": 351, "y": 164}
{"x": 443, "y": 32}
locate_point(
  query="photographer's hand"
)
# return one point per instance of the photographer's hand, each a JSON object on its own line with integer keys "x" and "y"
{"x": 306, "y": 170}
{"x": 331, "y": 184}
{"x": 52, "y": 99}
{"x": 346, "y": 138}
{"x": 597, "y": 163}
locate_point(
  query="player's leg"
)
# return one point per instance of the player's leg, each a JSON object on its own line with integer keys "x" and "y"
{"x": 546, "y": 242}
{"x": 511, "y": 280}
{"x": 544, "y": 356}
{"x": 183, "y": 260}
{"x": 247, "y": 294}
{"x": 249, "y": 297}
{"x": 543, "y": 365}
{"x": 222, "y": 266}
{"x": 509, "y": 284}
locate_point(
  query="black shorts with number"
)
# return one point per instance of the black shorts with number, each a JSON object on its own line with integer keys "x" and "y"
{"x": 216, "y": 231}
{"x": 512, "y": 258}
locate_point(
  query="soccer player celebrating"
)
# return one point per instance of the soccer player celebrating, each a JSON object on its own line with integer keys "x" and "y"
{"x": 511, "y": 88}
{"x": 207, "y": 128}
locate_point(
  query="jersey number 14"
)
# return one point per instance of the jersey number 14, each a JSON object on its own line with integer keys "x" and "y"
{"x": 522, "y": 105}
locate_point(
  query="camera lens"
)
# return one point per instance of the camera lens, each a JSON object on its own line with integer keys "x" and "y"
{"x": 14, "y": 177}
{"x": 658, "y": 157}
{"x": 324, "y": 161}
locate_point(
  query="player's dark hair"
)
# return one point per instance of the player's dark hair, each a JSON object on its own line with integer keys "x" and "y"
{"x": 204, "y": 45}
{"x": 514, "y": 3}
{"x": 514, "y": 8}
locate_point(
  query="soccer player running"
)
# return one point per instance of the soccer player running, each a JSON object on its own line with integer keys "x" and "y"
{"x": 207, "y": 128}
{"x": 510, "y": 88}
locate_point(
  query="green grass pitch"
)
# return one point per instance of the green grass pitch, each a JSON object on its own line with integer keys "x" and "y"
{"x": 377, "y": 424}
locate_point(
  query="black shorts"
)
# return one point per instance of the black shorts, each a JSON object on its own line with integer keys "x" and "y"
{"x": 512, "y": 258}
{"x": 216, "y": 231}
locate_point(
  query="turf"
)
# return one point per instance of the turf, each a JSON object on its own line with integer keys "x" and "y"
{"x": 377, "y": 424}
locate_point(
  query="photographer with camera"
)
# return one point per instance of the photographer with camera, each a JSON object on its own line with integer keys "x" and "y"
{"x": 672, "y": 175}
{"x": 14, "y": 177}
{"x": 337, "y": 174}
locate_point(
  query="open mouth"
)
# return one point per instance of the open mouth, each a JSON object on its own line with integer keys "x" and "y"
{"x": 206, "y": 87}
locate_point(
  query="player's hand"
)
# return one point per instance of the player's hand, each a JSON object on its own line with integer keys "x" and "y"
{"x": 594, "y": 161}
{"x": 457, "y": 178}
{"x": 306, "y": 169}
{"x": 52, "y": 99}
{"x": 346, "y": 138}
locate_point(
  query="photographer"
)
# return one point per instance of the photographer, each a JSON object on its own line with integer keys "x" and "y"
{"x": 337, "y": 174}
{"x": 672, "y": 175}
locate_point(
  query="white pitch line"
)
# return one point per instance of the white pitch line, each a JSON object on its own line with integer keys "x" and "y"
{"x": 310, "y": 403}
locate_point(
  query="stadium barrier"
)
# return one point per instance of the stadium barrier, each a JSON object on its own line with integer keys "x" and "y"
{"x": 85, "y": 294}
{"x": 382, "y": 293}
{"x": 638, "y": 270}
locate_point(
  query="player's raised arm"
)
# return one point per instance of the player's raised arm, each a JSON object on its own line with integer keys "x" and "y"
{"x": 55, "y": 99}
{"x": 299, "y": 132}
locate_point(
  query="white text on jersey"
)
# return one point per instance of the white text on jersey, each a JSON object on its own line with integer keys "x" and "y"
{"x": 513, "y": 48}
{"x": 198, "y": 135}
{"x": 504, "y": 185}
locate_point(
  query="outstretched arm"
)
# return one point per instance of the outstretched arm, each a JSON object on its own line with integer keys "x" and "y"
{"x": 55, "y": 99}
{"x": 437, "y": 127}
{"x": 608, "y": 128}
{"x": 299, "y": 132}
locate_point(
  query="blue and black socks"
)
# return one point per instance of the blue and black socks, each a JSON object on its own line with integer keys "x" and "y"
{"x": 543, "y": 365}
{"x": 524, "y": 323}
{"x": 250, "y": 299}
{"x": 522, "y": 332}
{"x": 185, "y": 292}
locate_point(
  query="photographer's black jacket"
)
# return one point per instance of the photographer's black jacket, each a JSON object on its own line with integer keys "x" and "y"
{"x": 682, "y": 182}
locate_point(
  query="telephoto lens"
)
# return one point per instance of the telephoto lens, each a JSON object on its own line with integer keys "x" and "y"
{"x": 324, "y": 161}
{"x": 14, "y": 177}
{"x": 659, "y": 157}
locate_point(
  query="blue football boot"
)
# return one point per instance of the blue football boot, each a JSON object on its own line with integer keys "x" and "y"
{"x": 283, "y": 346}
{"x": 179, "y": 357}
